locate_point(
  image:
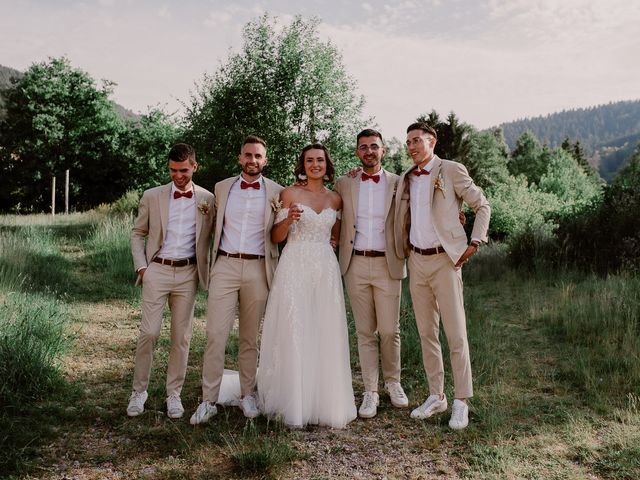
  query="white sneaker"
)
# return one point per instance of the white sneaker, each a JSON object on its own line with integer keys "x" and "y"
{"x": 398, "y": 397}
{"x": 203, "y": 413}
{"x": 459, "y": 415}
{"x": 370, "y": 402}
{"x": 431, "y": 406}
{"x": 249, "y": 406}
{"x": 136, "y": 403}
{"x": 174, "y": 406}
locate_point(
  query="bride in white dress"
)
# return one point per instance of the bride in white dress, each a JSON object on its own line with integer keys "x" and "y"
{"x": 304, "y": 374}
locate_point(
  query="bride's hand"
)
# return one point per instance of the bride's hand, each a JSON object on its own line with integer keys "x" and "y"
{"x": 295, "y": 211}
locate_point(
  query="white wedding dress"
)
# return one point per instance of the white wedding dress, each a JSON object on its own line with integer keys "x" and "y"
{"x": 304, "y": 374}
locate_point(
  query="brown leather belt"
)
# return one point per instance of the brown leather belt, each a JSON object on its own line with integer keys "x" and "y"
{"x": 427, "y": 251}
{"x": 369, "y": 253}
{"x": 176, "y": 263}
{"x": 243, "y": 256}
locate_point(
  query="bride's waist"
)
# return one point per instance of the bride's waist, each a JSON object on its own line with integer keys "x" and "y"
{"x": 305, "y": 241}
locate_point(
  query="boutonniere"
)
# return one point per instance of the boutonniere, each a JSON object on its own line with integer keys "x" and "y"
{"x": 276, "y": 204}
{"x": 204, "y": 208}
{"x": 439, "y": 184}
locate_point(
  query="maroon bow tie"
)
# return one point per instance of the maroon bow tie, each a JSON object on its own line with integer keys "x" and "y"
{"x": 420, "y": 171}
{"x": 375, "y": 178}
{"x": 178, "y": 194}
{"x": 244, "y": 185}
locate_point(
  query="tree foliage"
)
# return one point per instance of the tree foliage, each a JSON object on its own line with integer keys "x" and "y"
{"x": 58, "y": 119}
{"x": 605, "y": 236}
{"x": 147, "y": 143}
{"x": 285, "y": 85}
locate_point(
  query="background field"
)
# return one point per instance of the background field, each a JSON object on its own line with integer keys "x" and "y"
{"x": 554, "y": 354}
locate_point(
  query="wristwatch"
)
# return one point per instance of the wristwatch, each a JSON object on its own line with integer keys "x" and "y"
{"x": 475, "y": 243}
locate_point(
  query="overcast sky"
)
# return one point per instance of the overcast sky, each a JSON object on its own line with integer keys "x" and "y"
{"x": 489, "y": 61}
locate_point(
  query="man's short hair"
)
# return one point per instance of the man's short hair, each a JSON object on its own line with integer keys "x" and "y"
{"x": 424, "y": 127}
{"x": 369, "y": 132}
{"x": 254, "y": 139}
{"x": 181, "y": 152}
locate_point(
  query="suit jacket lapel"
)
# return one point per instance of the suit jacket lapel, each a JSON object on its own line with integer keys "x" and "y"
{"x": 355, "y": 193}
{"x": 435, "y": 171}
{"x": 163, "y": 202}
{"x": 269, "y": 194}
{"x": 389, "y": 193}
{"x": 225, "y": 188}
{"x": 198, "y": 217}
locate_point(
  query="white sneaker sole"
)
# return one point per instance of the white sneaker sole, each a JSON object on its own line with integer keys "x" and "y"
{"x": 422, "y": 415}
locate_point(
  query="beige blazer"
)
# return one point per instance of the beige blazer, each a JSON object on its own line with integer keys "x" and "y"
{"x": 349, "y": 189}
{"x": 273, "y": 190}
{"x": 456, "y": 187}
{"x": 151, "y": 224}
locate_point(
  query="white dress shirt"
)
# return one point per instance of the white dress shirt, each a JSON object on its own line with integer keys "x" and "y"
{"x": 422, "y": 234}
{"x": 180, "y": 238}
{"x": 243, "y": 227}
{"x": 370, "y": 216}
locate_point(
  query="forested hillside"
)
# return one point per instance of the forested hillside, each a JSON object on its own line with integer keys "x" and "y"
{"x": 608, "y": 133}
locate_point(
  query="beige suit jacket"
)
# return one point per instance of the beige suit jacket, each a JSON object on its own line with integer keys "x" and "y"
{"x": 151, "y": 224}
{"x": 273, "y": 190}
{"x": 349, "y": 190}
{"x": 456, "y": 187}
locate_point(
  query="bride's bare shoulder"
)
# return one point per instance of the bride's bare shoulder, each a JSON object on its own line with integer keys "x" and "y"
{"x": 289, "y": 195}
{"x": 335, "y": 200}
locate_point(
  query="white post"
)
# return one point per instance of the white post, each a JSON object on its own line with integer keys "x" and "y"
{"x": 53, "y": 196}
{"x": 66, "y": 192}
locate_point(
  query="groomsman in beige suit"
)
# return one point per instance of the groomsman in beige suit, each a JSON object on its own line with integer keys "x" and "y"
{"x": 243, "y": 266}
{"x": 176, "y": 220}
{"x": 372, "y": 270}
{"x": 428, "y": 231}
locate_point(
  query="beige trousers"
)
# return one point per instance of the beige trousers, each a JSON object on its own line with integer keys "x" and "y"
{"x": 233, "y": 281}
{"x": 177, "y": 286}
{"x": 375, "y": 302}
{"x": 436, "y": 293}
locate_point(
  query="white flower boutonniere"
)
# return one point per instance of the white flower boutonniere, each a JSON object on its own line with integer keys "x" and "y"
{"x": 204, "y": 208}
{"x": 439, "y": 184}
{"x": 276, "y": 204}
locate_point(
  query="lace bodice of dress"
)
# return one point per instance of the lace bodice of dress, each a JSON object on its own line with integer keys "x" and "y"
{"x": 312, "y": 226}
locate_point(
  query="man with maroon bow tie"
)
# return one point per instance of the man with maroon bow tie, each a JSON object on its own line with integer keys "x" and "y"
{"x": 244, "y": 262}
{"x": 372, "y": 271}
{"x": 176, "y": 220}
{"x": 430, "y": 196}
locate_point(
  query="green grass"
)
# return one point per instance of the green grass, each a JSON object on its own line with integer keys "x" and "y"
{"x": 554, "y": 357}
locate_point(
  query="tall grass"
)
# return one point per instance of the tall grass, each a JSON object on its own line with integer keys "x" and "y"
{"x": 34, "y": 278}
{"x": 110, "y": 249}
{"x": 597, "y": 320}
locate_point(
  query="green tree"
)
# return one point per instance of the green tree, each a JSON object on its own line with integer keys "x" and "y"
{"x": 57, "y": 119}
{"x": 567, "y": 180}
{"x": 287, "y": 86}
{"x": 148, "y": 142}
{"x": 487, "y": 159}
{"x": 529, "y": 158}
{"x": 396, "y": 158}
{"x": 454, "y": 137}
